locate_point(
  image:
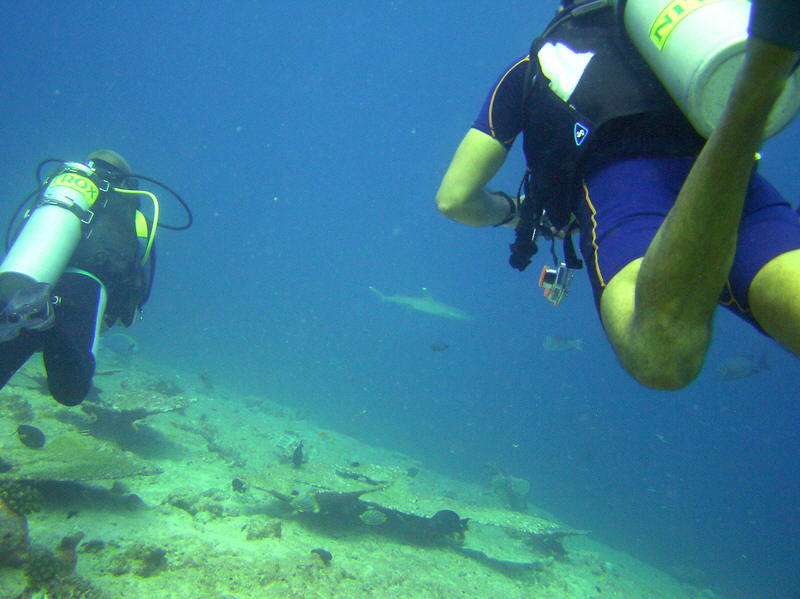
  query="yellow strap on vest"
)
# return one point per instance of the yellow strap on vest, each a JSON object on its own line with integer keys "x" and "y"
{"x": 151, "y": 237}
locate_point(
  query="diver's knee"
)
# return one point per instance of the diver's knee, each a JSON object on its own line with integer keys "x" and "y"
{"x": 773, "y": 299}
{"x": 667, "y": 379}
{"x": 69, "y": 398}
{"x": 668, "y": 366}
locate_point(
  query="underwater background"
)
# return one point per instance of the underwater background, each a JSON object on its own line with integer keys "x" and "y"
{"x": 309, "y": 140}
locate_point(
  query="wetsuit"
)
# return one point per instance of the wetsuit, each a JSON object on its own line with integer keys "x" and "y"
{"x": 104, "y": 284}
{"x": 629, "y": 179}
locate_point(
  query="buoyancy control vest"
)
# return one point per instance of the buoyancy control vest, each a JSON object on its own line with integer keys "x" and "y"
{"x": 111, "y": 250}
{"x": 589, "y": 97}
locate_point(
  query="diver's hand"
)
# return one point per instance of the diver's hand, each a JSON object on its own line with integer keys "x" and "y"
{"x": 31, "y": 308}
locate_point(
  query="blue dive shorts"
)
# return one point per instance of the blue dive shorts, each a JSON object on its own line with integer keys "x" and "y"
{"x": 626, "y": 202}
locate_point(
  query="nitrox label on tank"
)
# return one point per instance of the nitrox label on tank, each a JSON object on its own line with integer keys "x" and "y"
{"x": 670, "y": 16}
{"x": 75, "y": 183}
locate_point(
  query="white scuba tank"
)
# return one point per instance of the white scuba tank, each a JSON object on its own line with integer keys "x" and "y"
{"x": 49, "y": 237}
{"x": 696, "y": 47}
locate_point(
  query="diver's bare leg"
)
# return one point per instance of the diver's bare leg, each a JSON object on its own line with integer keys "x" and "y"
{"x": 773, "y": 299}
{"x": 659, "y": 312}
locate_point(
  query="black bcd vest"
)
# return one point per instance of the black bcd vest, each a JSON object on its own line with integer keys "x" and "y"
{"x": 618, "y": 108}
{"x": 110, "y": 251}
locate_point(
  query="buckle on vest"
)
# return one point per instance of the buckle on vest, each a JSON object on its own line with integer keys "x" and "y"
{"x": 85, "y": 216}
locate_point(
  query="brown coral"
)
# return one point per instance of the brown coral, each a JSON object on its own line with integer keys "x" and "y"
{"x": 13, "y": 536}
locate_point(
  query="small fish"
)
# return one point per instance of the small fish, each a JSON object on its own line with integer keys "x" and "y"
{"x": 30, "y": 436}
{"x": 555, "y": 343}
{"x": 739, "y": 367}
{"x": 297, "y": 455}
{"x": 324, "y": 555}
{"x": 373, "y": 517}
{"x": 206, "y": 380}
{"x": 439, "y": 346}
{"x": 120, "y": 343}
{"x": 111, "y": 372}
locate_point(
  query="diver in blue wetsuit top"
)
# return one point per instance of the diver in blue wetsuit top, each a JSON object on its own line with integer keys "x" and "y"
{"x": 671, "y": 224}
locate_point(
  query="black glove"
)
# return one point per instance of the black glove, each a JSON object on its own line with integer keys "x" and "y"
{"x": 777, "y": 22}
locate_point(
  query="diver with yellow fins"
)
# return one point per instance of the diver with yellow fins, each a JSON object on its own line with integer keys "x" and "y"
{"x": 82, "y": 261}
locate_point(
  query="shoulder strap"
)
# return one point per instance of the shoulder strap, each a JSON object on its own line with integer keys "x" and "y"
{"x": 535, "y": 216}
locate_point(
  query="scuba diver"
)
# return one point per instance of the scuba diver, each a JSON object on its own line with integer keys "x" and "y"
{"x": 82, "y": 261}
{"x": 673, "y": 219}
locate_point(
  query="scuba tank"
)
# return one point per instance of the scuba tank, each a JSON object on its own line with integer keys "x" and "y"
{"x": 696, "y": 47}
{"x": 62, "y": 214}
{"x": 54, "y": 227}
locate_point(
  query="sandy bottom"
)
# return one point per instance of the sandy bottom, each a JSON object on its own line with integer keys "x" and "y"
{"x": 185, "y": 490}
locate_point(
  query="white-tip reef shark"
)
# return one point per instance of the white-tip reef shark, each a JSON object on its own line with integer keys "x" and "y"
{"x": 424, "y": 303}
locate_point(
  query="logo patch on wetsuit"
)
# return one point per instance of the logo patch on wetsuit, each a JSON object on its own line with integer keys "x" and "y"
{"x": 580, "y": 133}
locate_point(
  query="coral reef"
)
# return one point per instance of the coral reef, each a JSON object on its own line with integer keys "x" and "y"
{"x": 21, "y": 496}
{"x": 185, "y": 500}
{"x": 76, "y": 494}
{"x": 47, "y": 573}
{"x": 352, "y": 521}
{"x": 143, "y": 560}
{"x": 263, "y": 529}
{"x": 513, "y": 491}
{"x": 18, "y": 407}
{"x": 41, "y": 567}
{"x": 72, "y": 456}
{"x": 13, "y": 536}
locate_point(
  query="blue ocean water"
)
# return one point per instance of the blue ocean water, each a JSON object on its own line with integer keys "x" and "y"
{"x": 309, "y": 140}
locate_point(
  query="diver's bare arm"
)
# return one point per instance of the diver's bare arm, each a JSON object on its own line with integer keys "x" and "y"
{"x": 687, "y": 263}
{"x": 657, "y": 311}
{"x": 462, "y": 196}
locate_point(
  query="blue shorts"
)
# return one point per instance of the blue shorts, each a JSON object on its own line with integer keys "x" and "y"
{"x": 626, "y": 202}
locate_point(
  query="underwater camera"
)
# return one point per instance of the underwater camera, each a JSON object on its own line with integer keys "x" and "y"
{"x": 556, "y": 282}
